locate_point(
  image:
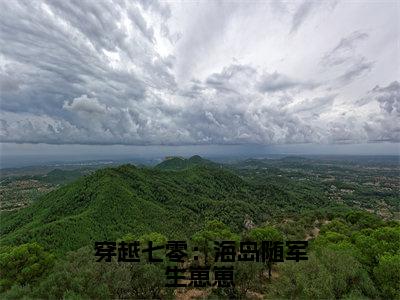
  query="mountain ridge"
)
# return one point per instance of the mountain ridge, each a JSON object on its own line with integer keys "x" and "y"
{"x": 112, "y": 202}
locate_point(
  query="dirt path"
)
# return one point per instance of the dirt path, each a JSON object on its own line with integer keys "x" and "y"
{"x": 187, "y": 294}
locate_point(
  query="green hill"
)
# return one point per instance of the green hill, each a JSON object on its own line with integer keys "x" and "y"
{"x": 180, "y": 163}
{"x": 354, "y": 253}
{"x": 58, "y": 176}
{"x": 115, "y": 201}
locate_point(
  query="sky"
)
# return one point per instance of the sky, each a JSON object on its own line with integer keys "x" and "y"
{"x": 103, "y": 75}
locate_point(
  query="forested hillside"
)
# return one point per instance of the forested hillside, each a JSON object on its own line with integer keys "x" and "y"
{"x": 47, "y": 248}
{"x": 115, "y": 201}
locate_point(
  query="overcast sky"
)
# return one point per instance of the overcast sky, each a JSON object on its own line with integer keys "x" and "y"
{"x": 199, "y": 73}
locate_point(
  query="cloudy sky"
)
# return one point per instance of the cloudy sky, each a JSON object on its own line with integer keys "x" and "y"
{"x": 199, "y": 73}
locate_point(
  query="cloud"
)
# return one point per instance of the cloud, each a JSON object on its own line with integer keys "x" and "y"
{"x": 305, "y": 10}
{"x": 230, "y": 77}
{"x": 208, "y": 22}
{"x": 356, "y": 69}
{"x": 279, "y": 82}
{"x": 85, "y": 104}
{"x": 315, "y": 105}
{"x": 388, "y": 97}
{"x": 344, "y": 50}
{"x": 302, "y": 12}
{"x": 114, "y": 72}
{"x": 383, "y": 125}
{"x": 345, "y": 59}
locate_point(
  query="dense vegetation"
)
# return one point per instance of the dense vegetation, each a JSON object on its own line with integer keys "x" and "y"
{"x": 47, "y": 248}
{"x": 174, "y": 203}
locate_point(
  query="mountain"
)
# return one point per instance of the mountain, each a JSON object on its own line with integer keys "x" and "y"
{"x": 180, "y": 163}
{"x": 112, "y": 202}
{"x": 58, "y": 176}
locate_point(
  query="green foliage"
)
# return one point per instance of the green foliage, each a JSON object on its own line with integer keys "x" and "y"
{"x": 248, "y": 277}
{"x": 265, "y": 233}
{"x": 355, "y": 255}
{"x": 330, "y": 237}
{"x": 155, "y": 237}
{"x": 350, "y": 263}
{"x": 326, "y": 275}
{"x": 305, "y": 279}
{"x": 23, "y": 265}
{"x": 373, "y": 243}
{"x": 213, "y": 231}
{"x": 17, "y": 292}
{"x": 80, "y": 277}
{"x": 387, "y": 274}
{"x": 348, "y": 275}
{"x": 336, "y": 225}
{"x": 361, "y": 219}
{"x": 112, "y": 202}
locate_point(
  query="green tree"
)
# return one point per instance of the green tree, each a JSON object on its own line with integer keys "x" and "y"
{"x": 303, "y": 280}
{"x": 336, "y": 225}
{"x": 266, "y": 233}
{"x": 23, "y": 265}
{"x": 213, "y": 231}
{"x": 247, "y": 277}
{"x": 387, "y": 274}
{"x": 80, "y": 276}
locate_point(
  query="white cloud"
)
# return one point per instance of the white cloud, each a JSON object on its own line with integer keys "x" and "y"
{"x": 85, "y": 104}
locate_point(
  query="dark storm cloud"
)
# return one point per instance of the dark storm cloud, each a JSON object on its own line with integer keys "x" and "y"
{"x": 59, "y": 55}
{"x": 224, "y": 110}
{"x": 56, "y": 58}
{"x": 57, "y": 74}
{"x": 115, "y": 72}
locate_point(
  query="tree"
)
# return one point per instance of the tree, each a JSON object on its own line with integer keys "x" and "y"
{"x": 23, "y": 265}
{"x": 336, "y": 225}
{"x": 303, "y": 280}
{"x": 387, "y": 274}
{"x": 266, "y": 233}
{"x": 79, "y": 276}
{"x": 213, "y": 231}
{"x": 375, "y": 242}
{"x": 247, "y": 277}
{"x": 362, "y": 219}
